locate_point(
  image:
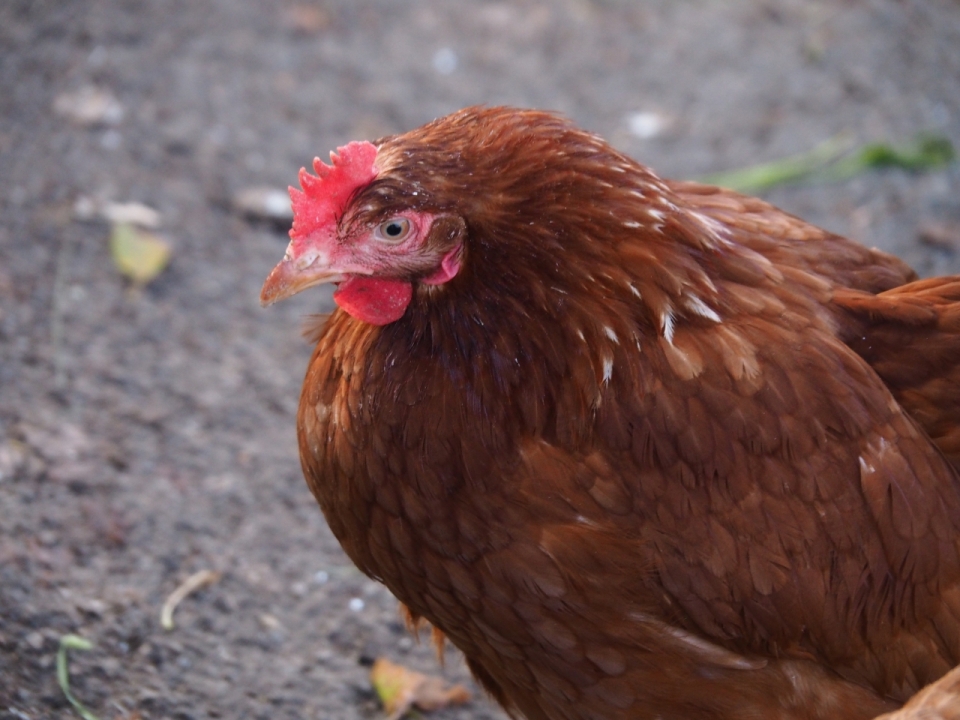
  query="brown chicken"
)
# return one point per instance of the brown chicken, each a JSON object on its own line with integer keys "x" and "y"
{"x": 639, "y": 448}
{"x": 937, "y": 701}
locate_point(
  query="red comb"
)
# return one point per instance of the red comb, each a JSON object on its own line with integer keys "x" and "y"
{"x": 325, "y": 194}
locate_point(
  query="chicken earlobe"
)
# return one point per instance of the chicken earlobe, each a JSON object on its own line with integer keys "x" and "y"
{"x": 374, "y": 300}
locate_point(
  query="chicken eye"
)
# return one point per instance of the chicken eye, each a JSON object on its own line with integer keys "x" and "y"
{"x": 393, "y": 230}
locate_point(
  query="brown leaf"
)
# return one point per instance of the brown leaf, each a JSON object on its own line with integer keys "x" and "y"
{"x": 400, "y": 689}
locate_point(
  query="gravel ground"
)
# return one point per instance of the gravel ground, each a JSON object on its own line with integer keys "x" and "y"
{"x": 147, "y": 434}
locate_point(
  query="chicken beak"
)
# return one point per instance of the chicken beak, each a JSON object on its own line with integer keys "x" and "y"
{"x": 292, "y": 275}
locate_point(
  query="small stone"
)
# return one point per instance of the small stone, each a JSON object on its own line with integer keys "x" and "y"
{"x": 111, "y": 667}
{"x": 269, "y": 622}
{"x": 91, "y": 606}
{"x": 13, "y": 456}
{"x": 445, "y": 61}
{"x": 84, "y": 208}
{"x": 307, "y": 19}
{"x": 131, "y": 213}
{"x": 264, "y": 203}
{"x": 89, "y": 106}
{"x": 111, "y": 140}
{"x": 940, "y": 235}
{"x": 645, "y": 125}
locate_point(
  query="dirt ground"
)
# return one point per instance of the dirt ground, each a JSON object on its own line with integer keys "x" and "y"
{"x": 147, "y": 435}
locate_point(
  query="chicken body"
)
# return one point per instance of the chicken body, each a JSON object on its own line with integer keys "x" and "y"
{"x": 638, "y": 448}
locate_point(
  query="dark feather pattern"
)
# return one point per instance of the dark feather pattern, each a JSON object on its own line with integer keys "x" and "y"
{"x": 658, "y": 450}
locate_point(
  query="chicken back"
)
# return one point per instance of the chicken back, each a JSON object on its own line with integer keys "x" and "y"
{"x": 639, "y": 448}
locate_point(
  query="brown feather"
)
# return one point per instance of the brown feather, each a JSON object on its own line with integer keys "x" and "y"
{"x": 923, "y": 316}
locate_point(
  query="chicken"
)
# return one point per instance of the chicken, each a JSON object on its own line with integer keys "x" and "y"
{"x": 937, "y": 701}
{"x": 639, "y": 448}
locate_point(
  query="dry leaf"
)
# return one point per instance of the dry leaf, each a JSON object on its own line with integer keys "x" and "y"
{"x": 138, "y": 255}
{"x": 191, "y": 584}
{"x": 401, "y": 689}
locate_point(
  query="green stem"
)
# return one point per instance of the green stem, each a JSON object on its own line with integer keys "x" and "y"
{"x": 825, "y": 164}
{"x": 72, "y": 642}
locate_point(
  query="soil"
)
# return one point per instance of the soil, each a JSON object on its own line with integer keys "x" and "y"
{"x": 147, "y": 434}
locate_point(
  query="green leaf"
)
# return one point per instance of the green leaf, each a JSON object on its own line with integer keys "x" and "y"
{"x": 825, "y": 163}
{"x": 926, "y": 152}
{"x": 137, "y": 254}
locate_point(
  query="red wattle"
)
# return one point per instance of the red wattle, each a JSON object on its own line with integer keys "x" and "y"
{"x": 378, "y": 301}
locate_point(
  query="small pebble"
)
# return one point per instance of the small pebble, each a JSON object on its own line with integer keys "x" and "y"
{"x": 645, "y": 125}
{"x": 356, "y": 604}
{"x": 91, "y": 606}
{"x": 84, "y": 208}
{"x": 111, "y": 140}
{"x": 269, "y": 622}
{"x": 89, "y": 105}
{"x": 263, "y": 203}
{"x": 132, "y": 213}
{"x": 445, "y": 61}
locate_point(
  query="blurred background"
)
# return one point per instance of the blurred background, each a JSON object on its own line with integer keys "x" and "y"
{"x": 147, "y": 402}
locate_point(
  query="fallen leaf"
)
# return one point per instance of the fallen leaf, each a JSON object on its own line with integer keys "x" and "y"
{"x": 137, "y": 254}
{"x": 401, "y": 689}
